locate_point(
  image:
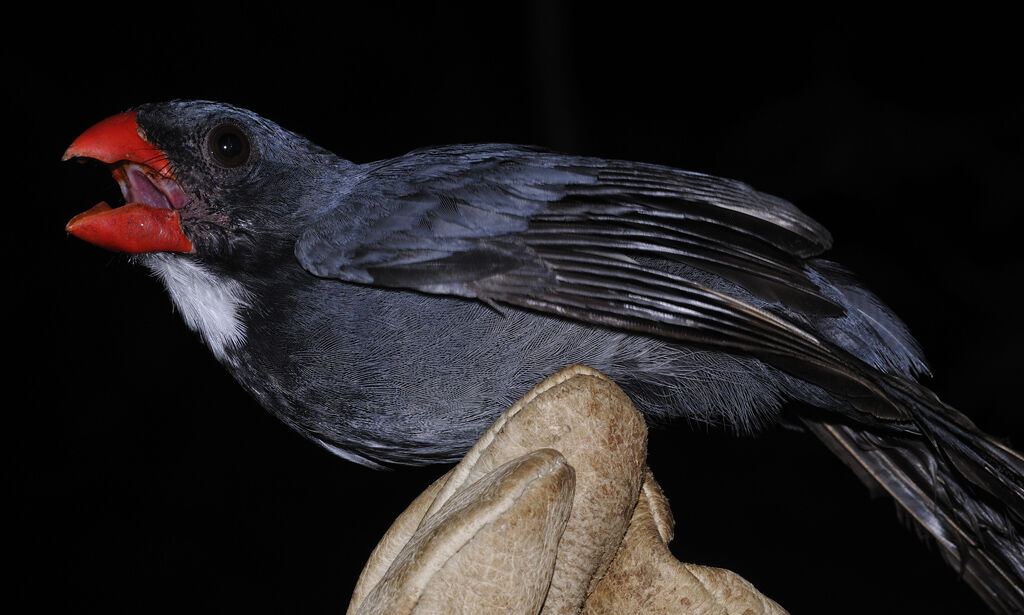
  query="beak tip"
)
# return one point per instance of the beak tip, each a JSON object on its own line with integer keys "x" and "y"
{"x": 75, "y": 224}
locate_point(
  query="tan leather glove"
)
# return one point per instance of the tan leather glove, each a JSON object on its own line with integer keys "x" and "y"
{"x": 552, "y": 511}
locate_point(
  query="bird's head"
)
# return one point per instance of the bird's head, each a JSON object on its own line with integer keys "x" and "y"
{"x": 198, "y": 177}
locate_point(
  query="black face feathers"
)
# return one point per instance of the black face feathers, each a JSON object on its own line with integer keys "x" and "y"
{"x": 249, "y": 181}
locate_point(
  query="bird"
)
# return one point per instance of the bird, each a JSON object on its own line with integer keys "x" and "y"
{"x": 359, "y": 303}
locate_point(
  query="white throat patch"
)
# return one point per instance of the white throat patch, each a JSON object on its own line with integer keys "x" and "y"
{"x": 210, "y": 304}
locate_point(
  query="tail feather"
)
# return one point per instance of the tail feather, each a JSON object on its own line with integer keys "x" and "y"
{"x": 962, "y": 489}
{"x": 982, "y": 464}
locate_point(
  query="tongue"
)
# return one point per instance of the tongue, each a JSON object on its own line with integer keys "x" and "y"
{"x": 133, "y": 228}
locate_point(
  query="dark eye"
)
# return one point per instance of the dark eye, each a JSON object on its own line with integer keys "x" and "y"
{"x": 228, "y": 145}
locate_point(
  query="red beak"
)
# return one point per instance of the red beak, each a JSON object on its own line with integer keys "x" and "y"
{"x": 136, "y": 227}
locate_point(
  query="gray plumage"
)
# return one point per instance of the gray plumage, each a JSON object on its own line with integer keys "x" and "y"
{"x": 389, "y": 311}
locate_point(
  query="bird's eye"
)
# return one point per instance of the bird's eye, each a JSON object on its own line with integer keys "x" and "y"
{"x": 228, "y": 145}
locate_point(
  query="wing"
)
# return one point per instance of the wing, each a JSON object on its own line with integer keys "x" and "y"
{"x": 411, "y": 213}
{"x": 592, "y": 240}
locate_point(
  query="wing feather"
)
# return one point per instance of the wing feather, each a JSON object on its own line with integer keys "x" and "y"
{"x": 582, "y": 238}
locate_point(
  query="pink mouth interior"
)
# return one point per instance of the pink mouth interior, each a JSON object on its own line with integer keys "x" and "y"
{"x": 141, "y": 184}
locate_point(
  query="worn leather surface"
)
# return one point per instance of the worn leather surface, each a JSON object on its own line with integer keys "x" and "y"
{"x": 552, "y": 511}
{"x": 646, "y": 578}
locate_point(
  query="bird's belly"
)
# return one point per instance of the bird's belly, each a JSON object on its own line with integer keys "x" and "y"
{"x": 409, "y": 377}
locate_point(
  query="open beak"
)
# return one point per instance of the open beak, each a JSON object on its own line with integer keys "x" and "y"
{"x": 149, "y": 220}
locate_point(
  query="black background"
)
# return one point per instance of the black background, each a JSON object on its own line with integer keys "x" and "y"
{"x": 143, "y": 479}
